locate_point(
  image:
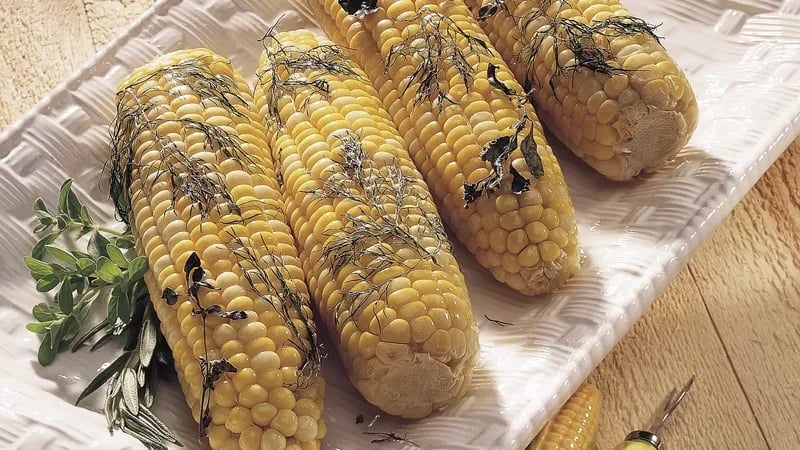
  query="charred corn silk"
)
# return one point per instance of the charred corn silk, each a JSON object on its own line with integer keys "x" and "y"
{"x": 191, "y": 172}
{"x": 431, "y": 66}
{"x": 601, "y": 80}
{"x": 373, "y": 247}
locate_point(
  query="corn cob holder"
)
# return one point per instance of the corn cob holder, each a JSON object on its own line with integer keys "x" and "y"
{"x": 373, "y": 246}
{"x": 191, "y": 174}
{"x": 649, "y": 439}
{"x": 471, "y": 133}
{"x": 574, "y": 426}
{"x": 599, "y": 77}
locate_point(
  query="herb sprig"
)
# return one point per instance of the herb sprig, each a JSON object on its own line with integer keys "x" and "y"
{"x": 189, "y": 177}
{"x": 212, "y": 370}
{"x": 396, "y": 216}
{"x": 282, "y": 75}
{"x": 268, "y": 278}
{"x": 432, "y": 48}
{"x": 588, "y": 42}
{"x": 497, "y": 153}
{"x": 383, "y": 437}
{"x": 79, "y": 279}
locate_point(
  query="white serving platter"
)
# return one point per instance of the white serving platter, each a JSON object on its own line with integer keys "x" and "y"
{"x": 743, "y": 59}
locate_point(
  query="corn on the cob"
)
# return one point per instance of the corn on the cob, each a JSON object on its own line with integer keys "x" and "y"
{"x": 574, "y": 426}
{"x": 374, "y": 249}
{"x": 601, "y": 80}
{"x": 455, "y": 101}
{"x": 191, "y": 174}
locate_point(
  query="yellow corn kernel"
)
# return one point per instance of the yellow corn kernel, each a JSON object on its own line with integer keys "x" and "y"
{"x": 342, "y": 161}
{"x": 575, "y": 425}
{"x": 467, "y": 119}
{"x": 177, "y": 99}
{"x": 649, "y": 105}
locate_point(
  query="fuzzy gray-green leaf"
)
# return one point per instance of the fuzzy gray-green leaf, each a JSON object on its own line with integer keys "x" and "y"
{"x": 46, "y": 352}
{"x": 147, "y": 342}
{"x": 86, "y": 266}
{"x": 64, "y": 297}
{"x": 43, "y": 312}
{"x": 116, "y": 256}
{"x": 130, "y": 390}
{"x": 60, "y": 254}
{"x": 47, "y": 283}
{"x": 108, "y": 271}
{"x": 63, "y": 196}
{"x": 37, "y": 267}
{"x": 137, "y": 268}
{"x": 38, "y": 250}
{"x": 38, "y": 327}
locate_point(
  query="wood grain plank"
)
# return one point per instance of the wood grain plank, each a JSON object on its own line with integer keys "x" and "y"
{"x": 749, "y": 276}
{"x": 41, "y": 43}
{"x": 108, "y": 17}
{"x": 674, "y": 340}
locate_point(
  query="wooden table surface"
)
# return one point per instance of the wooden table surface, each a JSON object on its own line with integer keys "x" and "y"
{"x": 732, "y": 317}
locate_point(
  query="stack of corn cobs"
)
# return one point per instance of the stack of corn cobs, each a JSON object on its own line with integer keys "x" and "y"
{"x": 332, "y": 179}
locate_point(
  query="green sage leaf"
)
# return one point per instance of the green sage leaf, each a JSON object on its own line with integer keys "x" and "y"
{"x": 37, "y": 267}
{"x": 37, "y": 252}
{"x": 64, "y": 297}
{"x": 130, "y": 390}
{"x": 108, "y": 271}
{"x": 44, "y": 312}
{"x": 137, "y": 268}
{"x": 100, "y": 243}
{"x": 116, "y": 256}
{"x": 38, "y": 327}
{"x": 86, "y": 266}
{"x": 47, "y": 354}
{"x": 63, "y": 196}
{"x": 47, "y": 283}
{"x": 147, "y": 342}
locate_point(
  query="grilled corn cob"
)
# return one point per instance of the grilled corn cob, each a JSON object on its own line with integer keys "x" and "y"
{"x": 455, "y": 101}
{"x": 374, "y": 249}
{"x": 601, "y": 80}
{"x": 191, "y": 174}
{"x": 574, "y": 426}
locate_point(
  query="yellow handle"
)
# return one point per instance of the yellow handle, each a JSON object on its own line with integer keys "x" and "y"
{"x": 635, "y": 445}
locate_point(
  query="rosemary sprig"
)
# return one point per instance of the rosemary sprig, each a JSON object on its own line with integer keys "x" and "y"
{"x": 394, "y": 215}
{"x": 283, "y": 77}
{"x": 190, "y": 177}
{"x": 432, "y": 49}
{"x": 212, "y": 370}
{"x": 79, "y": 279}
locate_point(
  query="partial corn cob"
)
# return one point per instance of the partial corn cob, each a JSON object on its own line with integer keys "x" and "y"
{"x": 374, "y": 249}
{"x": 575, "y": 425}
{"x": 527, "y": 240}
{"x": 621, "y": 104}
{"x": 191, "y": 174}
